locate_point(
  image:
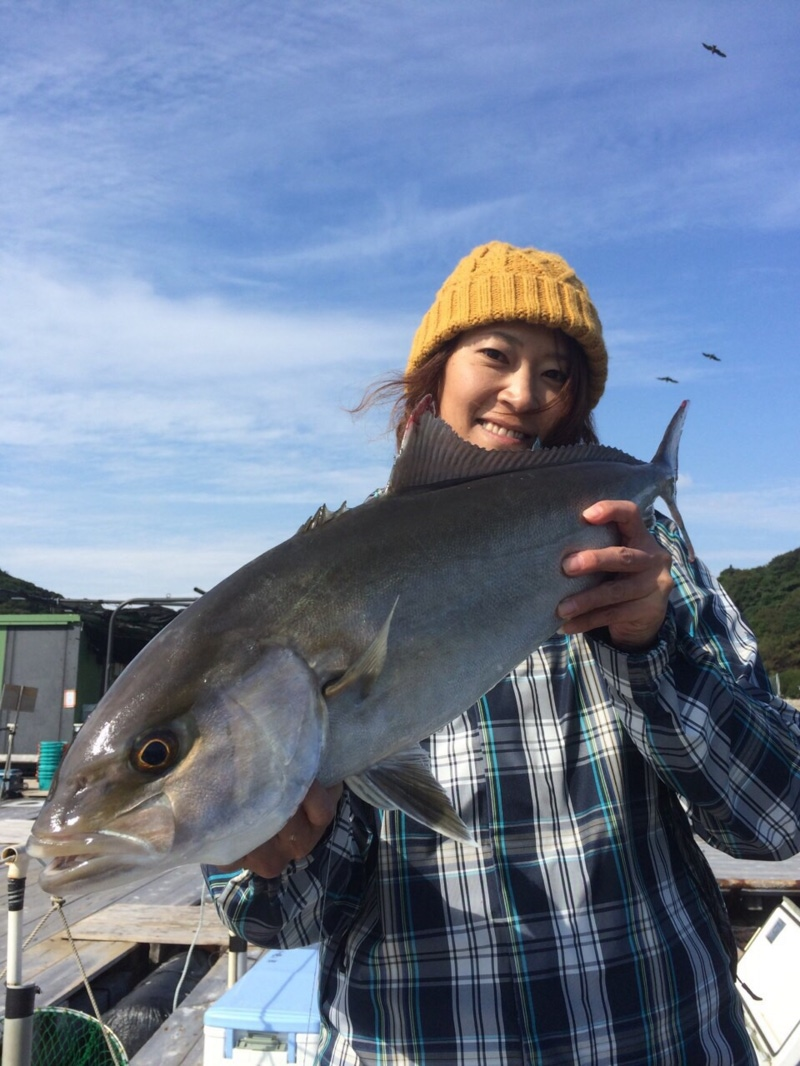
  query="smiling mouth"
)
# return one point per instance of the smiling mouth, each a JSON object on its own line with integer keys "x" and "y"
{"x": 502, "y": 431}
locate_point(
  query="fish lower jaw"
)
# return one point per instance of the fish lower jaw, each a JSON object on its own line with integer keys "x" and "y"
{"x": 98, "y": 859}
{"x": 92, "y": 873}
{"x": 96, "y": 864}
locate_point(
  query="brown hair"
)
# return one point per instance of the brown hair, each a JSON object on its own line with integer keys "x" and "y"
{"x": 406, "y": 391}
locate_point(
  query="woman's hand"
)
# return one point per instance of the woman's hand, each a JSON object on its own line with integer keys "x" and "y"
{"x": 634, "y": 604}
{"x": 297, "y": 838}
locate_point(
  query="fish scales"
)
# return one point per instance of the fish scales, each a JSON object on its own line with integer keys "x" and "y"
{"x": 333, "y": 655}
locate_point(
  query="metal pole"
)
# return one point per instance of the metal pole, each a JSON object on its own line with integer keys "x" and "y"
{"x": 237, "y": 958}
{"x": 12, "y": 728}
{"x": 142, "y": 601}
{"x": 18, "y": 1029}
{"x": 109, "y": 645}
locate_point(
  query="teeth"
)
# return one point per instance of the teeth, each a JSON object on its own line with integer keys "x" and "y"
{"x": 501, "y": 431}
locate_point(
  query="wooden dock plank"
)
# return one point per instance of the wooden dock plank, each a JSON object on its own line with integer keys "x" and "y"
{"x": 60, "y": 979}
{"x": 179, "y": 1041}
{"x": 42, "y": 953}
{"x": 49, "y": 961}
{"x": 755, "y": 874}
{"x": 183, "y": 885}
{"x": 15, "y": 831}
{"x": 143, "y": 923}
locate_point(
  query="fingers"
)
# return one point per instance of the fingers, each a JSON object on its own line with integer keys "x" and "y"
{"x": 629, "y": 522}
{"x": 632, "y": 604}
{"x": 297, "y": 838}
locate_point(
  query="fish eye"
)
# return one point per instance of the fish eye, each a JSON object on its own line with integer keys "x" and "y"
{"x": 155, "y": 752}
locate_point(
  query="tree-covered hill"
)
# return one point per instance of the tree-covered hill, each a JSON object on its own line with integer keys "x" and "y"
{"x": 769, "y": 598}
{"x": 23, "y": 597}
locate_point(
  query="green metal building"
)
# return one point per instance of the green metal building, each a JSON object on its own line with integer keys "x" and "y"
{"x": 51, "y": 653}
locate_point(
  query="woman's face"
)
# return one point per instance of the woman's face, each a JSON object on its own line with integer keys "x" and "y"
{"x": 501, "y": 386}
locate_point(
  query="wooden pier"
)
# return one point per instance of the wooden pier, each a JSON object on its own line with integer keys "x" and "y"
{"x": 109, "y": 927}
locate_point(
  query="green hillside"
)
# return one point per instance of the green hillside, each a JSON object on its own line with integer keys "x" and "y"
{"x": 769, "y": 598}
{"x": 23, "y": 597}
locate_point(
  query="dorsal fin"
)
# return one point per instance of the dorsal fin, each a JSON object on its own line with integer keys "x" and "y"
{"x": 320, "y": 517}
{"x": 433, "y": 453}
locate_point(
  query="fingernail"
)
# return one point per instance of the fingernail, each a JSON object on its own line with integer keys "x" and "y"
{"x": 566, "y": 609}
{"x": 570, "y": 565}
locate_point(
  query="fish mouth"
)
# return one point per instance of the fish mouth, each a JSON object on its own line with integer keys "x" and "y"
{"x": 106, "y": 856}
{"x": 137, "y": 841}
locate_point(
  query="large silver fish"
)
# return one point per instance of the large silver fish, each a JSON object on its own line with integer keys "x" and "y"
{"x": 332, "y": 655}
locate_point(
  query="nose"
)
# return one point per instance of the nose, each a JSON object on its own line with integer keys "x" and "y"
{"x": 519, "y": 389}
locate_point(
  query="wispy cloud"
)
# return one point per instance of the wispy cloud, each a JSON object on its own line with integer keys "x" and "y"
{"x": 221, "y": 222}
{"x": 124, "y": 131}
{"x": 775, "y": 509}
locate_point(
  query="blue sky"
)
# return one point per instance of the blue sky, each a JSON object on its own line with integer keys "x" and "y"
{"x": 221, "y": 221}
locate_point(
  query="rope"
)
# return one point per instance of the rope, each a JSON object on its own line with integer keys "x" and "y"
{"x": 192, "y": 946}
{"x": 58, "y": 904}
{"x": 39, "y": 924}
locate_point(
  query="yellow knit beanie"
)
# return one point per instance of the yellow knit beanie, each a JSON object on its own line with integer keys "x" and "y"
{"x": 498, "y": 282}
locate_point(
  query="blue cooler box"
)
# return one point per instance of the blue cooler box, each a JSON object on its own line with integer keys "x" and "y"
{"x": 277, "y": 995}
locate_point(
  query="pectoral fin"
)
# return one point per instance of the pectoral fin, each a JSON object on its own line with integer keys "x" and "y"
{"x": 366, "y": 669}
{"x": 405, "y": 782}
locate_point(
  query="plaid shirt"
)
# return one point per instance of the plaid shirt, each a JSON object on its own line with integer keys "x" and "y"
{"x": 587, "y": 928}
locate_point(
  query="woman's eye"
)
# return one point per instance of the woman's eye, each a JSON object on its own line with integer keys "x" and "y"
{"x": 493, "y": 353}
{"x": 559, "y": 376}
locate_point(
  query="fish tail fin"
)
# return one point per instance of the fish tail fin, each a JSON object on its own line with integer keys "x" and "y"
{"x": 667, "y": 459}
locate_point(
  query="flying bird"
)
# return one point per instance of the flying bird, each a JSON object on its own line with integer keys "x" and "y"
{"x": 674, "y": 382}
{"x": 710, "y": 355}
{"x": 714, "y": 50}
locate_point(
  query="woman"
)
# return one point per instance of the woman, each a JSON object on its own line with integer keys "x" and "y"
{"x": 590, "y": 930}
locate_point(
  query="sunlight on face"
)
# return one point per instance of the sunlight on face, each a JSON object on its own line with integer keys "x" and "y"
{"x": 501, "y": 385}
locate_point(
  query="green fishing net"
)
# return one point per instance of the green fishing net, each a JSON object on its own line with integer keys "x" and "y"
{"x": 66, "y": 1037}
